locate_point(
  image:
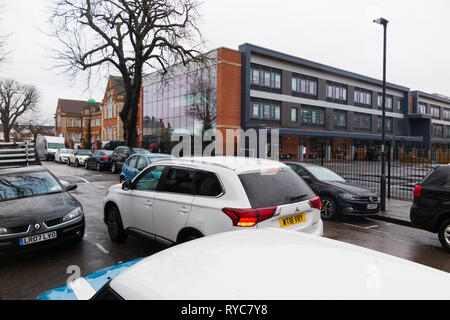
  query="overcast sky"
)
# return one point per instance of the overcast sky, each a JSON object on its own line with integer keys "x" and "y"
{"x": 339, "y": 33}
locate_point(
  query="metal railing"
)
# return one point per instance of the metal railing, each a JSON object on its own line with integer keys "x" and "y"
{"x": 17, "y": 154}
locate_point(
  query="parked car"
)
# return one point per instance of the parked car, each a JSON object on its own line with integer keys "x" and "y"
{"x": 36, "y": 210}
{"x": 78, "y": 157}
{"x": 121, "y": 154}
{"x": 100, "y": 160}
{"x": 245, "y": 265}
{"x": 47, "y": 146}
{"x": 62, "y": 155}
{"x": 177, "y": 200}
{"x": 431, "y": 208}
{"x": 138, "y": 162}
{"x": 339, "y": 197}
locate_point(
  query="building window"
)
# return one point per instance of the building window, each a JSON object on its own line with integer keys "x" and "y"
{"x": 77, "y": 123}
{"x": 422, "y": 108}
{"x": 400, "y": 105}
{"x": 363, "y": 97}
{"x": 265, "y": 111}
{"x": 304, "y": 86}
{"x": 362, "y": 121}
{"x": 388, "y": 102}
{"x": 293, "y": 114}
{"x": 400, "y": 126}
{"x": 312, "y": 117}
{"x": 97, "y": 122}
{"x": 438, "y": 130}
{"x": 448, "y": 131}
{"x": 380, "y": 124}
{"x": 264, "y": 77}
{"x": 435, "y": 112}
{"x": 446, "y": 114}
{"x": 336, "y": 92}
{"x": 70, "y": 123}
{"x": 340, "y": 119}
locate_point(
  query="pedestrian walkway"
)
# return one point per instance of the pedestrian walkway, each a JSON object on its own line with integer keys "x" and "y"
{"x": 397, "y": 211}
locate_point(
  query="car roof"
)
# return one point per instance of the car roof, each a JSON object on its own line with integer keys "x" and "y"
{"x": 237, "y": 164}
{"x": 269, "y": 264}
{"x": 21, "y": 170}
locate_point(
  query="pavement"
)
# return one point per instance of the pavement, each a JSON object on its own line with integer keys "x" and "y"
{"x": 397, "y": 211}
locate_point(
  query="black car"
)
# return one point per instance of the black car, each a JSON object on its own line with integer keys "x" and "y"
{"x": 100, "y": 160}
{"x": 121, "y": 154}
{"x": 431, "y": 208}
{"x": 339, "y": 197}
{"x": 36, "y": 210}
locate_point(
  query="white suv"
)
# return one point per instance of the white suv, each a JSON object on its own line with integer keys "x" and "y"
{"x": 177, "y": 200}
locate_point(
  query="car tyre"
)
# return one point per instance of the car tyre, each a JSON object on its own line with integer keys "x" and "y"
{"x": 86, "y": 166}
{"x": 115, "y": 227}
{"x": 77, "y": 163}
{"x": 329, "y": 208}
{"x": 68, "y": 162}
{"x": 444, "y": 234}
{"x": 122, "y": 179}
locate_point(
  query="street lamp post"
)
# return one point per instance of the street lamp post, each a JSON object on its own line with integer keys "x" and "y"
{"x": 384, "y": 23}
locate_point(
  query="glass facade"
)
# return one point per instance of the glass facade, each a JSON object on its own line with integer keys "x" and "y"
{"x": 184, "y": 104}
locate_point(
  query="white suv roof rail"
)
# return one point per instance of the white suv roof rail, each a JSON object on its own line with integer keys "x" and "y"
{"x": 17, "y": 154}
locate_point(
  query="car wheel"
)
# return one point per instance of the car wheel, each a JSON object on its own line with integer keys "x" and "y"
{"x": 329, "y": 208}
{"x": 113, "y": 168}
{"x": 444, "y": 234}
{"x": 98, "y": 167}
{"x": 122, "y": 179}
{"x": 86, "y": 165}
{"x": 115, "y": 227}
{"x": 77, "y": 163}
{"x": 68, "y": 162}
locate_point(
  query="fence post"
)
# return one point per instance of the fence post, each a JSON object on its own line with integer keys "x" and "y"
{"x": 389, "y": 171}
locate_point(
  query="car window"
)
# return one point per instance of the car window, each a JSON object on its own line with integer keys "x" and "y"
{"x": 148, "y": 181}
{"x": 277, "y": 188}
{"x": 132, "y": 162}
{"x": 324, "y": 174}
{"x": 24, "y": 185}
{"x": 141, "y": 163}
{"x": 178, "y": 180}
{"x": 439, "y": 177}
{"x": 96, "y": 153}
{"x": 207, "y": 184}
{"x": 299, "y": 170}
{"x": 83, "y": 153}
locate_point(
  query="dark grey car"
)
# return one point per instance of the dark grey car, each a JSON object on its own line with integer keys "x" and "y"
{"x": 36, "y": 210}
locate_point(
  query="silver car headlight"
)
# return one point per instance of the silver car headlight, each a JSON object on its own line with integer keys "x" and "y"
{"x": 75, "y": 213}
{"x": 348, "y": 196}
{"x": 3, "y": 231}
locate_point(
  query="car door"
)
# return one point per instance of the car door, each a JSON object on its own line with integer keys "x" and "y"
{"x": 92, "y": 160}
{"x": 125, "y": 154}
{"x": 173, "y": 202}
{"x": 129, "y": 167}
{"x": 141, "y": 164}
{"x": 139, "y": 201}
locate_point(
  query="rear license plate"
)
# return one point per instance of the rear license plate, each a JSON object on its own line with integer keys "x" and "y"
{"x": 372, "y": 206}
{"x": 38, "y": 238}
{"x": 292, "y": 220}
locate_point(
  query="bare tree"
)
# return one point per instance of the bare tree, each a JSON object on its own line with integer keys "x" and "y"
{"x": 36, "y": 123}
{"x": 15, "y": 99}
{"x": 129, "y": 35}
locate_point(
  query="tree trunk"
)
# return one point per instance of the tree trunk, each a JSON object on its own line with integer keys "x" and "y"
{"x": 6, "y": 132}
{"x": 130, "y": 112}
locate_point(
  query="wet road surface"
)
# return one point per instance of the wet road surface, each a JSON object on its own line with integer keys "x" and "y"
{"x": 26, "y": 276}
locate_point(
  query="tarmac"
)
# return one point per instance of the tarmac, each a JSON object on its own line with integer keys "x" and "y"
{"x": 397, "y": 211}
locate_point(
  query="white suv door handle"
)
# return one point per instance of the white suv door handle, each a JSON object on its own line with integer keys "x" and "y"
{"x": 149, "y": 203}
{"x": 183, "y": 211}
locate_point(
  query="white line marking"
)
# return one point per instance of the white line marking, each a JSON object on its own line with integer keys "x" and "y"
{"x": 102, "y": 249}
{"x": 366, "y": 228}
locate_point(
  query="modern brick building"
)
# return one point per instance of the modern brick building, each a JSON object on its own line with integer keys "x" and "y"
{"x": 311, "y": 104}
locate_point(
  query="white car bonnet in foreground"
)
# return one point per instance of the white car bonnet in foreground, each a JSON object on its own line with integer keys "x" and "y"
{"x": 277, "y": 264}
